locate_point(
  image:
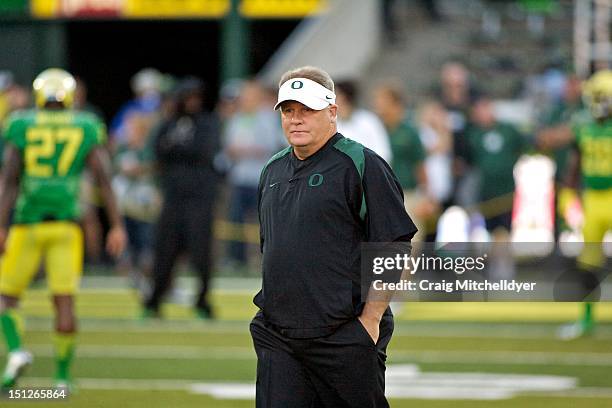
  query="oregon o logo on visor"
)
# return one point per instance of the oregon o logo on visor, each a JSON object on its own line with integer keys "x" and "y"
{"x": 297, "y": 85}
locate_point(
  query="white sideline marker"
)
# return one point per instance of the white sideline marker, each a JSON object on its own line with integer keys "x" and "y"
{"x": 406, "y": 381}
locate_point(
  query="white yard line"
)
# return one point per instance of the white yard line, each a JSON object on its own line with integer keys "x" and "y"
{"x": 582, "y": 392}
{"x": 505, "y": 357}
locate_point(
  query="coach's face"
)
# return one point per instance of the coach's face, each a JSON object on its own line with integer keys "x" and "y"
{"x": 307, "y": 129}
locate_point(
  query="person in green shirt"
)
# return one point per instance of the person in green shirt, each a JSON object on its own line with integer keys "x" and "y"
{"x": 549, "y": 138}
{"x": 45, "y": 153}
{"x": 138, "y": 195}
{"x": 554, "y": 138}
{"x": 408, "y": 154}
{"x": 493, "y": 147}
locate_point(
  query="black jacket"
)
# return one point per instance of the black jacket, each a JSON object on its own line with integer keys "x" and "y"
{"x": 185, "y": 147}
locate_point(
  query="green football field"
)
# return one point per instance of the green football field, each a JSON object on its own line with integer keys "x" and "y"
{"x": 442, "y": 354}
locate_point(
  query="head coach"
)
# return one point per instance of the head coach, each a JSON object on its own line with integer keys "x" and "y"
{"x": 318, "y": 343}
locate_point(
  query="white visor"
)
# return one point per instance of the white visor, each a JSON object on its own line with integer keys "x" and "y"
{"x": 307, "y": 92}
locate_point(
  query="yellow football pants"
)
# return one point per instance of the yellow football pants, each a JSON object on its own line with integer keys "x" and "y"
{"x": 58, "y": 243}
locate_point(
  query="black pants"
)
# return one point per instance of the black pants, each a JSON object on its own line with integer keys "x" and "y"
{"x": 184, "y": 225}
{"x": 343, "y": 370}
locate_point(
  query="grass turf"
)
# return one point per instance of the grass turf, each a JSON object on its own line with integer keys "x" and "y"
{"x": 441, "y": 337}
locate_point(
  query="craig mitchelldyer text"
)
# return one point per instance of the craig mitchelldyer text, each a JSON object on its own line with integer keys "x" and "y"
{"x": 454, "y": 286}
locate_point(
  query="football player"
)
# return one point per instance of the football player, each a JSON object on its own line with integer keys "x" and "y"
{"x": 591, "y": 167}
{"x": 46, "y": 151}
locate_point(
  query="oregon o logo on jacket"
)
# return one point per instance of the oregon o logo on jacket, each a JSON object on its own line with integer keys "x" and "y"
{"x": 315, "y": 180}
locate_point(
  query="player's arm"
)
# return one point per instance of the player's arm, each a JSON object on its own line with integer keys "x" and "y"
{"x": 421, "y": 177}
{"x": 568, "y": 200}
{"x": 572, "y": 176}
{"x": 554, "y": 137}
{"x": 428, "y": 205}
{"x": 99, "y": 163}
{"x": 418, "y": 155}
{"x": 416, "y": 152}
{"x": 9, "y": 186}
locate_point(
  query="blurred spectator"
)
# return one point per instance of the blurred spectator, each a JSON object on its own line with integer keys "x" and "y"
{"x": 408, "y": 153}
{"x": 81, "y": 101}
{"x": 167, "y": 105}
{"x": 18, "y": 97}
{"x": 554, "y": 138}
{"x": 227, "y": 105}
{"x": 251, "y": 136}
{"x": 553, "y": 82}
{"x": 270, "y": 99}
{"x": 167, "y": 108}
{"x": 147, "y": 86}
{"x": 360, "y": 125}
{"x": 139, "y": 200}
{"x": 555, "y": 135}
{"x": 6, "y": 82}
{"x": 95, "y": 223}
{"x": 435, "y": 134}
{"x": 492, "y": 149}
{"x": 12, "y": 97}
{"x": 185, "y": 146}
{"x": 456, "y": 93}
{"x": 546, "y": 88}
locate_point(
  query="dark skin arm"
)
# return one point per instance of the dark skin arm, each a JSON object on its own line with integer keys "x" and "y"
{"x": 99, "y": 163}
{"x": 9, "y": 186}
{"x": 554, "y": 137}
{"x": 428, "y": 205}
{"x": 572, "y": 176}
{"x": 567, "y": 194}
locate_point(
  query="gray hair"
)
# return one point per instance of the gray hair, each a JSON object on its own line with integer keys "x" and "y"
{"x": 309, "y": 72}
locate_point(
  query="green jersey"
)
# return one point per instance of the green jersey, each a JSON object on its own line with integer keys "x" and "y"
{"x": 563, "y": 113}
{"x": 54, "y": 146}
{"x": 408, "y": 153}
{"x": 594, "y": 141}
{"x": 493, "y": 152}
